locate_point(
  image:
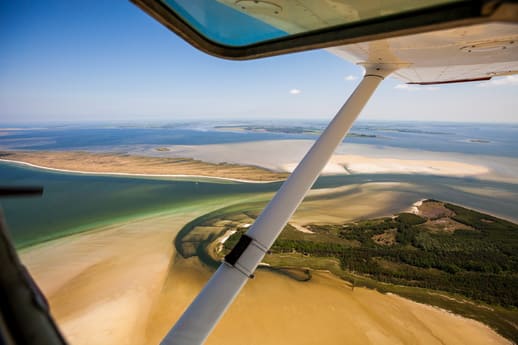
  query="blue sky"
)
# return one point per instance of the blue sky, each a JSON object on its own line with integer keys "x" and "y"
{"x": 107, "y": 60}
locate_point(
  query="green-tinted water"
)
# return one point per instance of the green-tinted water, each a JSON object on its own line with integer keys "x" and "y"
{"x": 73, "y": 203}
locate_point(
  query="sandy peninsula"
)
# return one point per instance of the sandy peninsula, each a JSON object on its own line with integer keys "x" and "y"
{"x": 124, "y": 284}
{"x": 120, "y": 164}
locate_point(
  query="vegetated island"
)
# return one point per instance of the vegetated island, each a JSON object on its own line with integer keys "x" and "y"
{"x": 113, "y": 163}
{"x": 272, "y": 129}
{"x": 441, "y": 254}
{"x": 287, "y": 130}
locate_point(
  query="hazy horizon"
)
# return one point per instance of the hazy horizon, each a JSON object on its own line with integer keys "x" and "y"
{"x": 281, "y": 121}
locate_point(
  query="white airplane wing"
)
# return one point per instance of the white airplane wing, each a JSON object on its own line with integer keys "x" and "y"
{"x": 477, "y": 52}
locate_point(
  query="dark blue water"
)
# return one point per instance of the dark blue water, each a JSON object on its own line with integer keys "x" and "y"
{"x": 93, "y": 138}
{"x": 476, "y": 139}
{"x": 470, "y": 138}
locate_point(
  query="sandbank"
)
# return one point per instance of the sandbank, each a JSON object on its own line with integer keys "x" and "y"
{"x": 284, "y": 155}
{"x": 128, "y": 165}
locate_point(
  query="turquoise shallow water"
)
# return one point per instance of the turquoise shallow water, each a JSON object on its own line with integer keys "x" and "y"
{"x": 73, "y": 203}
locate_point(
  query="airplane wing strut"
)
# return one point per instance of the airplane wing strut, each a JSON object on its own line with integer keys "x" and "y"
{"x": 203, "y": 314}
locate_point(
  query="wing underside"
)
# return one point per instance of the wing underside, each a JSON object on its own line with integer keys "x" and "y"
{"x": 470, "y": 53}
{"x": 466, "y": 53}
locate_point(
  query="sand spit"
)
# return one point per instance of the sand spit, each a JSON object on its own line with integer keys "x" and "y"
{"x": 301, "y": 228}
{"x": 351, "y": 164}
{"x": 127, "y": 165}
{"x": 367, "y": 165}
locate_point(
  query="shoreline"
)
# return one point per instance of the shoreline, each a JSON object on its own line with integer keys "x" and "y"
{"x": 121, "y": 174}
{"x": 93, "y": 227}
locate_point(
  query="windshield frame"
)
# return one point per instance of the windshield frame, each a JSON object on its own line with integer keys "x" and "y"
{"x": 439, "y": 17}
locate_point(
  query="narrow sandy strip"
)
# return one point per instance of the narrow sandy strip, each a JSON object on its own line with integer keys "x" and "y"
{"x": 172, "y": 176}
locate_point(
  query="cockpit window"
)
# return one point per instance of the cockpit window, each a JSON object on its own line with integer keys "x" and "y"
{"x": 224, "y": 24}
{"x": 239, "y": 23}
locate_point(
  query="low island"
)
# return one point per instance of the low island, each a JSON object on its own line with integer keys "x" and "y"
{"x": 125, "y": 164}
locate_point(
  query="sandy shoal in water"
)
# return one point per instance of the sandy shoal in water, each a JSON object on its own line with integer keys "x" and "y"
{"x": 283, "y": 156}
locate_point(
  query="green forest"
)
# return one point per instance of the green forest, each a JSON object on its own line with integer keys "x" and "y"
{"x": 477, "y": 256}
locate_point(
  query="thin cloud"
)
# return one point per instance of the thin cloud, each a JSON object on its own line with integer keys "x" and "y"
{"x": 409, "y": 87}
{"x": 505, "y": 81}
{"x": 351, "y": 77}
{"x": 295, "y": 91}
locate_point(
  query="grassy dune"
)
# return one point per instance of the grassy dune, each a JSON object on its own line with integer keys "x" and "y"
{"x": 132, "y": 164}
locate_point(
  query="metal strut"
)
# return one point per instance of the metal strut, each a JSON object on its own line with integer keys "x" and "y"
{"x": 205, "y": 311}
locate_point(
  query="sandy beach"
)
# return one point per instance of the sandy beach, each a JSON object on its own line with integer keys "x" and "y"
{"x": 124, "y": 165}
{"x": 123, "y": 284}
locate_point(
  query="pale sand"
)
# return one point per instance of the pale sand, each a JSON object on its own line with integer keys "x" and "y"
{"x": 102, "y": 284}
{"x": 366, "y": 165}
{"x": 284, "y": 155}
{"x": 348, "y": 203}
{"x": 274, "y": 309}
{"x": 301, "y": 228}
{"x": 119, "y": 285}
{"x": 350, "y": 164}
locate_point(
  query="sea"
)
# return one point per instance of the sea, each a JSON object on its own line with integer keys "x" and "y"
{"x": 468, "y": 138}
{"x": 74, "y": 203}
